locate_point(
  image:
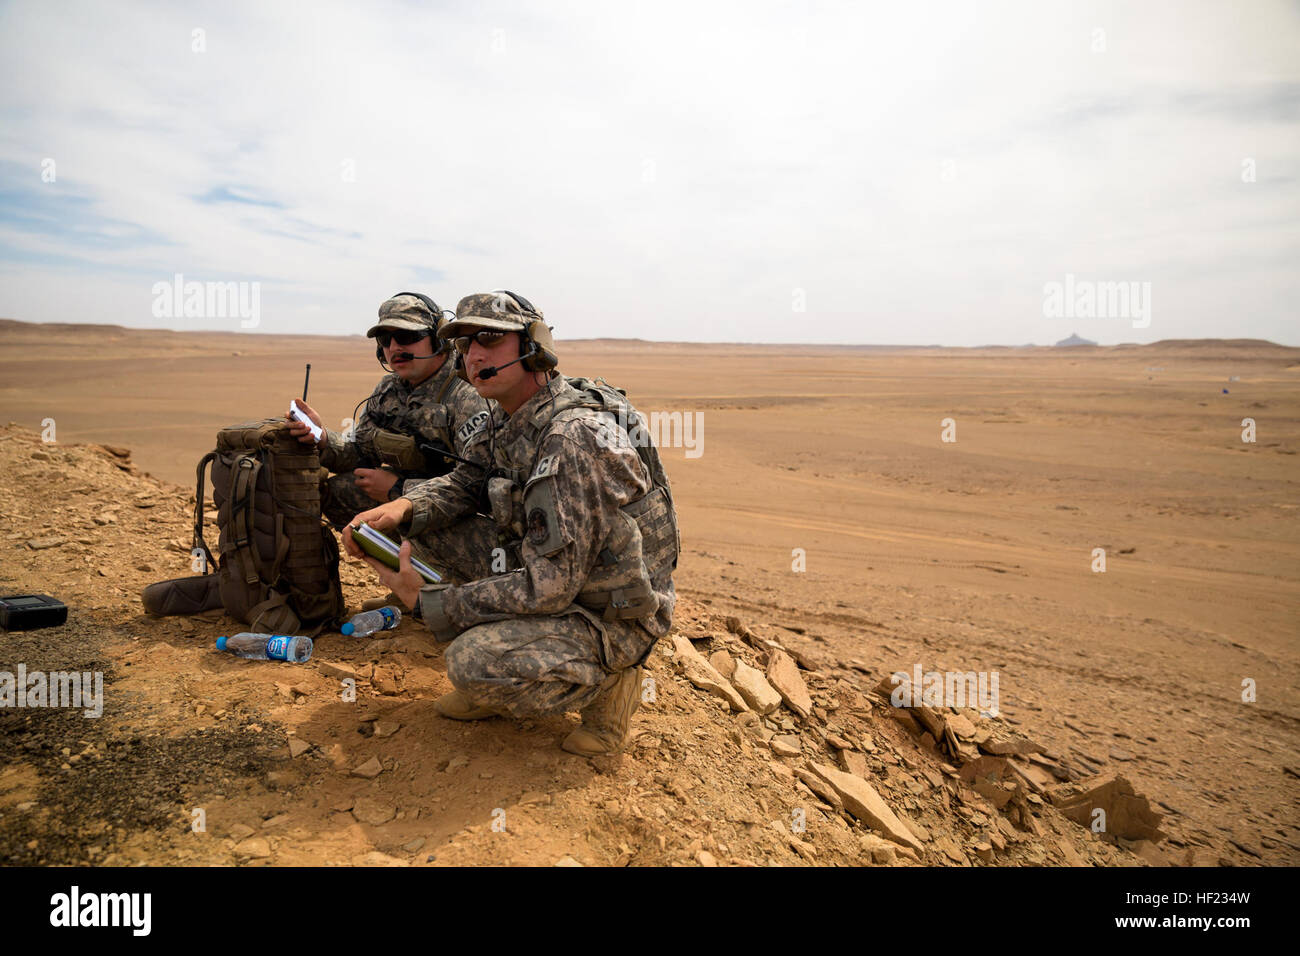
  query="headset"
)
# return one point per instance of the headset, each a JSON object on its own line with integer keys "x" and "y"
{"x": 536, "y": 346}
{"x": 440, "y": 344}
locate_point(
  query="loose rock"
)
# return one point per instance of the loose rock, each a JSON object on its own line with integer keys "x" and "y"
{"x": 861, "y": 800}
{"x": 784, "y": 677}
{"x": 758, "y": 693}
{"x": 703, "y": 675}
{"x": 723, "y": 663}
{"x": 372, "y": 812}
{"x": 254, "y": 848}
{"x": 786, "y": 745}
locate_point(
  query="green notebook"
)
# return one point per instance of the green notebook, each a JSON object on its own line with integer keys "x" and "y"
{"x": 383, "y": 548}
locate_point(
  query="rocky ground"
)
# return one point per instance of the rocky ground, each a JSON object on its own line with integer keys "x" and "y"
{"x": 755, "y": 745}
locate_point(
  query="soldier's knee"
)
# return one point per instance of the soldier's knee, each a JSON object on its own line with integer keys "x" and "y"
{"x": 464, "y": 667}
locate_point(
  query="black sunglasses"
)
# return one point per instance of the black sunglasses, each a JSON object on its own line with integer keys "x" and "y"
{"x": 400, "y": 336}
{"x": 484, "y": 337}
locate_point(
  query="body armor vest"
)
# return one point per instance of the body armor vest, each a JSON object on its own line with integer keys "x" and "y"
{"x": 638, "y": 556}
{"x": 398, "y": 445}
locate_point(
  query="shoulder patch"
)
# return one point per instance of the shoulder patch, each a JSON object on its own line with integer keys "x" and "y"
{"x": 545, "y": 467}
{"x": 471, "y": 426}
{"x": 545, "y": 532}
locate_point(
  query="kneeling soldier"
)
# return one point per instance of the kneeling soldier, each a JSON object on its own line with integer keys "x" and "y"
{"x": 569, "y": 583}
{"x": 417, "y": 412}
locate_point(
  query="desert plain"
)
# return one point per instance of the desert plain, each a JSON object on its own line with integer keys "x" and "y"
{"x": 820, "y": 506}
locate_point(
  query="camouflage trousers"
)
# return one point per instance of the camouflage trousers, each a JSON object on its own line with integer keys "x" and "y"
{"x": 341, "y": 500}
{"x": 526, "y": 665}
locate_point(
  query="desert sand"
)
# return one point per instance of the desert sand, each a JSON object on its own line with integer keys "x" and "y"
{"x": 820, "y": 507}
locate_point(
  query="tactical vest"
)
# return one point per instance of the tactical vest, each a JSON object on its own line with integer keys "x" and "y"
{"x": 402, "y": 451}
{"x": 638, "y": 556}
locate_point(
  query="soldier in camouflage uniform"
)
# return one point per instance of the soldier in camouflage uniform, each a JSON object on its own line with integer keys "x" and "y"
{"x": 419, "y": 409}
{"x": 570, "y": 579}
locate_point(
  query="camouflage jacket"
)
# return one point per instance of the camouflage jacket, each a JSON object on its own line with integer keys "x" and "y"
{"x": 586, "y": 479}
{"x": 442, "y": 409}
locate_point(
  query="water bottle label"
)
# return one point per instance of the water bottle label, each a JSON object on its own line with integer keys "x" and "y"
{"x": 277, "y": 648}
{"x": 388, "y": 616}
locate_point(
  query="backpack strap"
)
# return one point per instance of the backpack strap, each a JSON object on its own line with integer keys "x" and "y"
{"x": 446, "y": 387}
{"x": 210, "y": 566}
{"x": 273, "y": 616}
{"x": 242, "y": 514}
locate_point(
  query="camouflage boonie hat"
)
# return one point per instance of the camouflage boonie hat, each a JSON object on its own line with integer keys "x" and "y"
{"x": 491, "y": 310}
{"x": 406, "y": 311}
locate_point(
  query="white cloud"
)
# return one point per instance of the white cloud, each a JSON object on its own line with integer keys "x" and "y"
{"x": 664, "y": 170}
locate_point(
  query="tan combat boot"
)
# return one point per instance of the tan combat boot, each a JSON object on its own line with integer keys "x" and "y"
{"x": 607, "y": 720}
{"x": 458, "y": 706}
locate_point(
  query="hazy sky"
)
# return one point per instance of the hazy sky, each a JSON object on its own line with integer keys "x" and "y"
{"x": 771, "y": 172}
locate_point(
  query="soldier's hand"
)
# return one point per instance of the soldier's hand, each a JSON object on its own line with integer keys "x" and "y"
{"x": 405, "y": 582}
{"x": 300, "y": 431}
{"x": 376, "y": 482}
{"x": 384, "y": 518}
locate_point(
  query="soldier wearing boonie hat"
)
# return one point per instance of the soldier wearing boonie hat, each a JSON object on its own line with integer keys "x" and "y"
{"x": 557, "y": 598}
{"x": 417, "y": 411}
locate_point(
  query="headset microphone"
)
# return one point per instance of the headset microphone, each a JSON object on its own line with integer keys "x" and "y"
{"x": 492, "y": 370}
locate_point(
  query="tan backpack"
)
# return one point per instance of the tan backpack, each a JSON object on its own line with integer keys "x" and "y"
{"x": 279, "y": 563}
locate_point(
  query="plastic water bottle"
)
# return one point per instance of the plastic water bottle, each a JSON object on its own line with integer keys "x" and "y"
{"x": 369, "y": 622}
{"x": 267, "y": 647}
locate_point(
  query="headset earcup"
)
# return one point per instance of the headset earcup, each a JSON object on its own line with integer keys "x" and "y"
{"x": 543, "y": 358}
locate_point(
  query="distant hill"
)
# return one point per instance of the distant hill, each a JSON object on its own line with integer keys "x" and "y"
{"x": 17, "y": 331}
{"x": 1075, "y": 339}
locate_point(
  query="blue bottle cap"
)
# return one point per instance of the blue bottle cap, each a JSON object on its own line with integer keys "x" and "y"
{"x": 348, "y": 628}
{"x": 221, "y": 643}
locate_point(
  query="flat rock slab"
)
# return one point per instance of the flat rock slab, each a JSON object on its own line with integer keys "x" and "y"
{"x": 1005, "y": 746}
{"x": 786, "y": 745}
{"x": 339, "y": 670}
{"x": 861, "y": 800}
{"x": 240, "y": 832}
{"x": 961, "y": 726}
{"x": 703, "y": 675}
{"x": 1128, "y": 814}
{"x": 372, "y": 812}
{"x": 753, "y": 686}
{"x": 722, "y": 663}
{"x": 370, "y": 769}
{"x": 254, "y": 848}
{"x": 852, "y": 762}
{"x": 820, "y": 787}
{"x": 783, "y": 675}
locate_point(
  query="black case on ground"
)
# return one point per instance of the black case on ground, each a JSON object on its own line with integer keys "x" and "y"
{"x": 27, "y": 612}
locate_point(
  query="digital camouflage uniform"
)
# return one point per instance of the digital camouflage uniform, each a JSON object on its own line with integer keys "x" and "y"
{"x": 569, "y": 508}
{"x": 442, "y": 410}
